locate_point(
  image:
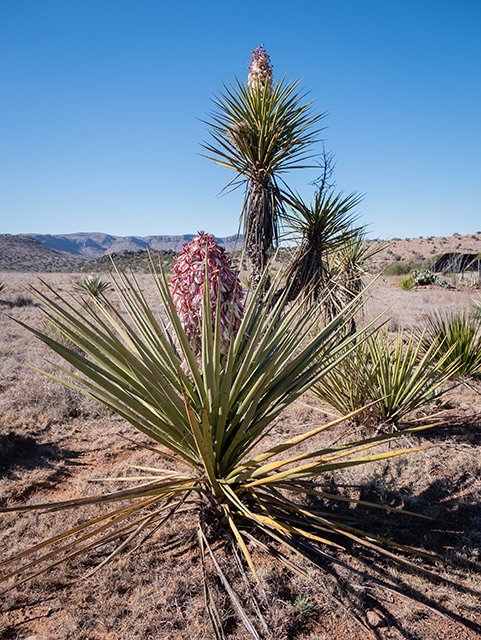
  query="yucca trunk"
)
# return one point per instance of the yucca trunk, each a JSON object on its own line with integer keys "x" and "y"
{"x": 260, "y": 229}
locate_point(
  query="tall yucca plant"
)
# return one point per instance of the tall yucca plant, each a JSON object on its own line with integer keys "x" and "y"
{"x": 261, "y": 129}
{"x": 209, "y": 416}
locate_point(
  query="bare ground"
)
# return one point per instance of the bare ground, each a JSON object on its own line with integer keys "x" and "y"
{"x": 54, "y": 443}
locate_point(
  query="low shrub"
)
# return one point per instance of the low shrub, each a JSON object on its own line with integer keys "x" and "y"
{"x": 400, "y": 268}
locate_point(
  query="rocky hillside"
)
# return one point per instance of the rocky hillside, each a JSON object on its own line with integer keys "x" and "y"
{"x": 423, "y": 250}
{"x": 23, "y": 253}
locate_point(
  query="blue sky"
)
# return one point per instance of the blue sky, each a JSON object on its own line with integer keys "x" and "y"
{"x": 102, "y": 102}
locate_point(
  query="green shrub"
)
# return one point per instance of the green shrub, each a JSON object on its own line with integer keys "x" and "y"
{"x": 400, "y": 268}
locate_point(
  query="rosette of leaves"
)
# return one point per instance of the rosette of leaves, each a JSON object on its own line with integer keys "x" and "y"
{"x": 92, "y": 286}
{"x": 389, "y": 377}
{"x": 457, "y": 337}
{"x": 211, "y": 418}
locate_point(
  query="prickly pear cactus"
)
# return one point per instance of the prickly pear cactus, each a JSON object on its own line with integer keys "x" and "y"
{"x": 421, "y": 278}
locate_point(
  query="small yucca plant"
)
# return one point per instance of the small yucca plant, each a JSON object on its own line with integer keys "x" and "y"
{"x": 390, "y": 377}
{"x": 211, "y": 417}
{"x": 457, "y": 337}
{"x": 406, "y": 283}
{"x": 92, "y": 286}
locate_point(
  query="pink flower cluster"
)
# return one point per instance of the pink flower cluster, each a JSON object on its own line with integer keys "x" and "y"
{"x": 260, "y": 69}
{"x": 187, "y": 289}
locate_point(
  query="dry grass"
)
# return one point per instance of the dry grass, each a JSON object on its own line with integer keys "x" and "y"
{"x": 53, "y": 443}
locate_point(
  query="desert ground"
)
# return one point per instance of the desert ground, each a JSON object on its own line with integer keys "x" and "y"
{"x": 56, "y": 444}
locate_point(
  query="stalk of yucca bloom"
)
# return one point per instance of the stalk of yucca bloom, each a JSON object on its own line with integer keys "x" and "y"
{"x": 203, "y": 261}
{"x": 260, "y": 70}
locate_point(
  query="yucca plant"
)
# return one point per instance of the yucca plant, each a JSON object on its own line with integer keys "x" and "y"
{"x": 390, "y": 377}
{"x": 458, "y": 340}
{"x": 261, "y": 128}
{"x": 2, "y": 285}
{"x": 92, "y": 286}
{"x": 321, "y": 229}
{"x": 210, "y": 412}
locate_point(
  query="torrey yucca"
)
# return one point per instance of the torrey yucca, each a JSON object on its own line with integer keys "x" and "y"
{"x": 205, "y": 386}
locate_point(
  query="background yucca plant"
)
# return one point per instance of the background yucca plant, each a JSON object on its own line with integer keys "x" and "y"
{"x": 321, "y": 229}
{"x": 391, "y": 377}
{"x": 92, "y": 286}
{"x": 211, "y": 417}
{"x": 458, "y": 340}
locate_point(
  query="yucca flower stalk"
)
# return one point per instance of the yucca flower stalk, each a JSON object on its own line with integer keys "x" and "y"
{"x": 260, "y": 70}
{"x": 212, "y": 420}
{"x": 204, "y": 263}
{"x": 261, "y": 129}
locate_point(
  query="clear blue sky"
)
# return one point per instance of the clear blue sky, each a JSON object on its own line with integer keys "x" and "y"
{"x": 102, "y": 101}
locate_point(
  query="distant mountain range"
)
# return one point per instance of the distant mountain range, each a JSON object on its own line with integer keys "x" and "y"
{"x": 37, "y": 252}
{"x": 95, "y": 245}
